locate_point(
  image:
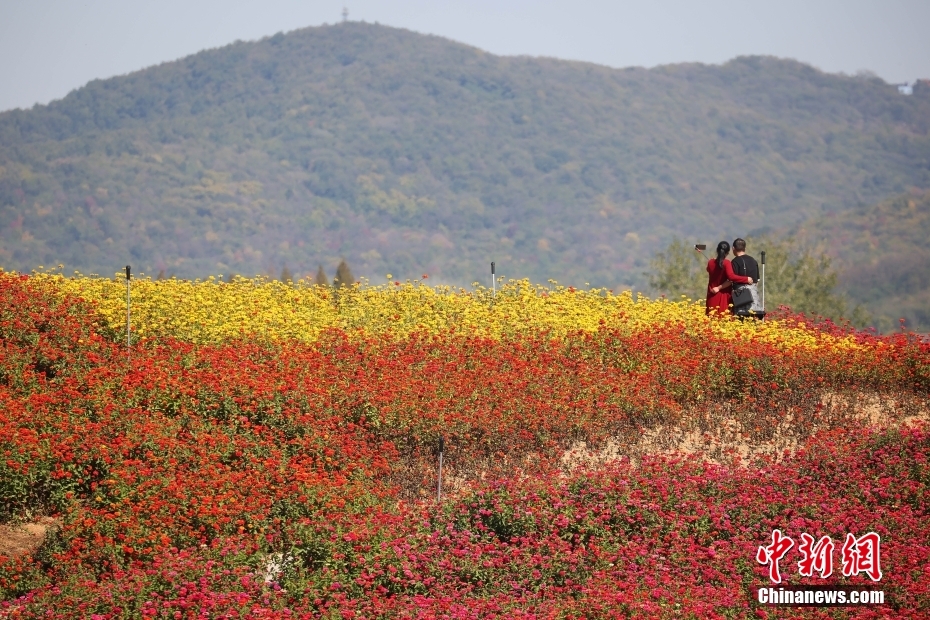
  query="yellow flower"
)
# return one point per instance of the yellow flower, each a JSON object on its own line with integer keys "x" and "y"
{"x": 211, "y": 311}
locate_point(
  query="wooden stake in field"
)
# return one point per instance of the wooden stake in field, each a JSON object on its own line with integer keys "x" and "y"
{"x": 442, "y": 445}
{"x": 128, "y": 270}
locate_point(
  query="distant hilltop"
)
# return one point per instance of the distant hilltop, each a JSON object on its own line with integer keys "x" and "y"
{"x": 920, "y": 87}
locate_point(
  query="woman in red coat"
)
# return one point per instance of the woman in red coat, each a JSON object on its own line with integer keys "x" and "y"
{"x": 720, "y": 283}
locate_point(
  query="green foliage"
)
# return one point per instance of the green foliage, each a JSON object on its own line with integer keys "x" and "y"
{"x": 344, "y": 276}
{"x": 803, "y": 280}
{"x": 407, "y": 153}
{"x": 679, "y": 270}
{"x": 795, "y": 277}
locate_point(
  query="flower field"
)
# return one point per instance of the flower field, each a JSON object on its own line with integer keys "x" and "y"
{"x": 269, "y": 450}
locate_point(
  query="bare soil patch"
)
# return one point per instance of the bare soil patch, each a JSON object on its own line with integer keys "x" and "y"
{"x": 725, "y": 434}
{"x": 25, "y": 538}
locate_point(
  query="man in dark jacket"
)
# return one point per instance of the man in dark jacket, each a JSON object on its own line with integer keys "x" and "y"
{"x": 745, "y": 265}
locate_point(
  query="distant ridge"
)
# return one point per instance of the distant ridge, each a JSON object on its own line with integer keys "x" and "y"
{"x": 408, "y": 153}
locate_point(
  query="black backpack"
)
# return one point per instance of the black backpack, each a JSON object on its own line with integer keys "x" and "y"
{"x": 742, "y": 295}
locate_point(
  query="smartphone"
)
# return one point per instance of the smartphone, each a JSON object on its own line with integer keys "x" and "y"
{"x": 700, "y": 246}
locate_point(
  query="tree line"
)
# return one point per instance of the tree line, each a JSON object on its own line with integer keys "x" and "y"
{"x": 343, "y": 278}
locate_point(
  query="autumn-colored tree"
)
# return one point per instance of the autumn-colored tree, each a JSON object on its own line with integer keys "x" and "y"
{"x": 321, "y": 279}
{"x": 344, "y": 275}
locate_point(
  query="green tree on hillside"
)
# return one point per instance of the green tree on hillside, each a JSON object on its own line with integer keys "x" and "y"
{"x": 286, "y": 276}
{"x": 679, "y": 270}
{"x": 344, "y": 275}
{"x": 321, "y": 279}
{"x": 795, "y": 277}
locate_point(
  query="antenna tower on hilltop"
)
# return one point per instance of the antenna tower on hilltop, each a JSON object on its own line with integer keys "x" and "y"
{"x": 345, "y": 14}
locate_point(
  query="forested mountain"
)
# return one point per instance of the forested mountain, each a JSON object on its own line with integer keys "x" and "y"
{"x": 407, "y": 153}
{"x": 882, "y": 256}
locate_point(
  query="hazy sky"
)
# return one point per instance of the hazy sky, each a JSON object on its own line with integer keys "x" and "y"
{"x": 49, "y": 47}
